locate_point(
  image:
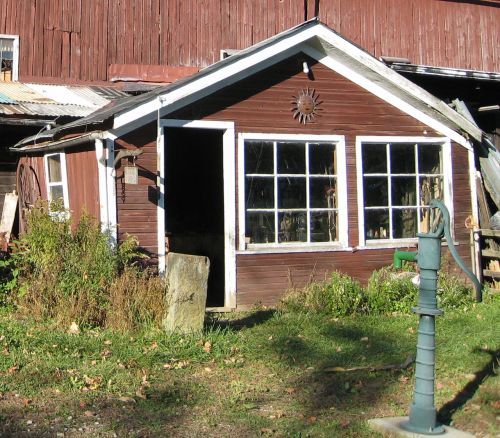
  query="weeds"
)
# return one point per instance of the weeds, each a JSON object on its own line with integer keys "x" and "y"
{"x": 69, "y": 272}
{"x": 387, "y": 291}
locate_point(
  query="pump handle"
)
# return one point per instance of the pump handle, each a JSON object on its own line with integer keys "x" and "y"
{"x": 449, "y": 240}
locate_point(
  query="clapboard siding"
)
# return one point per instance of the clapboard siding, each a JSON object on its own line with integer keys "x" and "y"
{"x": 262, "y": 104}
{"x": 77, "y": 40}
{"x": 136, "y": 204}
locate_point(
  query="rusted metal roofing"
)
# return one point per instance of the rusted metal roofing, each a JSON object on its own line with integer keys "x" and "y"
{"x": 53, "y": 100}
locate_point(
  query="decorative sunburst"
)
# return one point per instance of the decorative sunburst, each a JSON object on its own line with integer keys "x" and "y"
{"x": 305, "y": 105}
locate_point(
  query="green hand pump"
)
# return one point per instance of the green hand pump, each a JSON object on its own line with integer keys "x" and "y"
{"x": 423, "y": 414}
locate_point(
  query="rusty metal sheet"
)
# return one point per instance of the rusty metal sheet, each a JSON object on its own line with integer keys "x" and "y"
{"x": 19, "y": 92}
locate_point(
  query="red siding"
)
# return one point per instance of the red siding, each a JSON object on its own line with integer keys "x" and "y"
{"x": 136, "y": 204}
{"x": 77, "y": 40}
{"x": 262, "y": 104}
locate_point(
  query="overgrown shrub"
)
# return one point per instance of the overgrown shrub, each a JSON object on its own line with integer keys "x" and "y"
{"x": 67, "y": 270}
{"x": 387, "y": 291}
{"x": 391, "y": 291}
{"x": 136, "y": 297}
{"x": 8, "y": 279}
{"x": 339, "y": 296}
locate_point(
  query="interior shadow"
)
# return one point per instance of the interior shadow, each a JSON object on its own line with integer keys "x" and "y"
{"x": 445, "y": 414}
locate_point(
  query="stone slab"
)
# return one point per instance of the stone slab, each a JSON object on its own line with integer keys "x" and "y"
{"x": 391, "y": 427}
{"x": 187, "y": 277}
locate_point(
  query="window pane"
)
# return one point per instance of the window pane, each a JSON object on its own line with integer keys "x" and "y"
{"x": 259, "y": 227}
{"x": 322, "y": 159}
{"x": 324, "y": 226}
{"x": 291, "y": 158}
{"x": 291, "y": 192}
{"x": 430, "y": 188}
{"x": 404, "y": 223}
{"x": 56, "y": 193}
{"x": 292, "y": 227}
{"x": 374, "y": 158}
{"x": 6, "y": 44}
{"x": 403, "y": 191}
{"x": 322, "y": 193}
{"x": 429, "y": 158}
{"x": 375, "y": 189}
{"x": 259, "y": 192}
{"x": 377, "y": 224}
{"x": 258, "y": 157}
{"x": 54, "y": 165}
{"x": 402, "y": 158}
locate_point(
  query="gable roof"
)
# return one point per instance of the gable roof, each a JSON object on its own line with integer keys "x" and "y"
{"x": 312, "y": 38}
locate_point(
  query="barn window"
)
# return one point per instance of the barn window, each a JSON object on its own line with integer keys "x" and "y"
{"x": 55, "y": 175}
{"x": 294, "y": 191}
{"x": 397, "y": 179}
{"x": 9, "y": 57}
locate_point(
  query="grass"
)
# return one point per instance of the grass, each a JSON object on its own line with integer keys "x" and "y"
{"x": 256, "y": 374}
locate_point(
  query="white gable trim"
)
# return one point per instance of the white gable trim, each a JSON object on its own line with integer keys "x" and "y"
{"x": 305, "y": 41}
{"x": 385, "y": 95}
{"x": 222, "y": 77}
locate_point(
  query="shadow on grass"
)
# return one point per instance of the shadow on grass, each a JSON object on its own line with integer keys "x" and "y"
{"x": 445, "y": 414}
{"x": 165, "y": 410}
{"x": 255, "y": 318}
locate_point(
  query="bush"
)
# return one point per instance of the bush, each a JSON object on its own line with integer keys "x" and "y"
{"x": 66, "y": 269}
{"x": 338, "y": 297}
{"x": 391, "y": 291}
{"x": 136, "y": 298}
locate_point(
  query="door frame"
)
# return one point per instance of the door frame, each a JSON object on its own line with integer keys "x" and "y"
{"x": 229, "y": 177}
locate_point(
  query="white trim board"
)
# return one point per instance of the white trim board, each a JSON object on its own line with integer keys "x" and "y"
{"x": 327, "y": 47}
{"x": 228, "y": 151}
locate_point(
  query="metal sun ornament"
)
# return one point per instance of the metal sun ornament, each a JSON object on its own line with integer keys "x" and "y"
{"x": 305, "y": 105}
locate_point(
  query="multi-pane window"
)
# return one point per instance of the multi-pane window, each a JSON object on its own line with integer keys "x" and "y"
{"x": 8, "y": 57}
{"x": 291, "y": 192}
{"x": 55, "y": 171}
{"x": 398, "y": 181}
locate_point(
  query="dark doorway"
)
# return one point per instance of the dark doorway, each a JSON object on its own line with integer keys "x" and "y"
{"x": 194, "y": 200}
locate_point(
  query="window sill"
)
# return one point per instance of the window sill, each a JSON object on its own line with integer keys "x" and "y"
{"x": 282, "y": 249}
{"x": 410, "y": 244}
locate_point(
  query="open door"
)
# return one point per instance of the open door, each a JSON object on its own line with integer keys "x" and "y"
{"x": 194, "y": 200}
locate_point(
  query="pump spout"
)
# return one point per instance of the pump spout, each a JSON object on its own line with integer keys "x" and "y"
{"x": 399, "y": 256}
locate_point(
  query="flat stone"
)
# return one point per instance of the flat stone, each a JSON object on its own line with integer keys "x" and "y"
{"x": 391, "y": 427}
{"x": 187, "y": 277}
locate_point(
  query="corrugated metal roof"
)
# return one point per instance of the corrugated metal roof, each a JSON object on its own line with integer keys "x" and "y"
{"x": 53, "y": 100}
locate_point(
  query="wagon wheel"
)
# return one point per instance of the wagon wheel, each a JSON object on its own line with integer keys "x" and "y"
{"x": 29, "y": 192}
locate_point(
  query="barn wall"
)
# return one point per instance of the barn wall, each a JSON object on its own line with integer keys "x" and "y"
{"x": 77, "y": 40}
{"x": 262, "y": 104}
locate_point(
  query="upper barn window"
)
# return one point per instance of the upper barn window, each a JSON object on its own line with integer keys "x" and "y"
{"x": 9, "y": 57}
{"x": 397, "y": 179}
{"x": 294, "y": 190}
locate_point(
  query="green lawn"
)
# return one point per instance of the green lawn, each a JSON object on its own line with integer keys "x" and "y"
{"x": 253, "y": 374}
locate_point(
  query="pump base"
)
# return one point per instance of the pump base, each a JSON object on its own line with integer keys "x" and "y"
{"x": 391, "y": 427}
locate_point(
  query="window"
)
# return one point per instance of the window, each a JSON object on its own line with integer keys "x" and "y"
{"x": 9, "y": 57}
{"x": 55, "y": 175}
{"x": 397, "y": 179}
{"x": 294, "y": 191}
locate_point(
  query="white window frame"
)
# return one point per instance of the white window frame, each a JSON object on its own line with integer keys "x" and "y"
{"x": 15, "y": 55}
{"x": 447, "y": 184}
{"x": 341, "y": 177}
{"x": 64, "y": 176}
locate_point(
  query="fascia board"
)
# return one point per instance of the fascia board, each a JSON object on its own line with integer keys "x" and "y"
{"x": 336, "y": 41}
{"x": 222, "y": 77}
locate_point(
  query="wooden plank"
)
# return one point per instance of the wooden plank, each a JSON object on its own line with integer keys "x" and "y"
{"x": 490, "y": 253}
{"x": 492, "y": 274}
{"x": 489, "y": 233}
